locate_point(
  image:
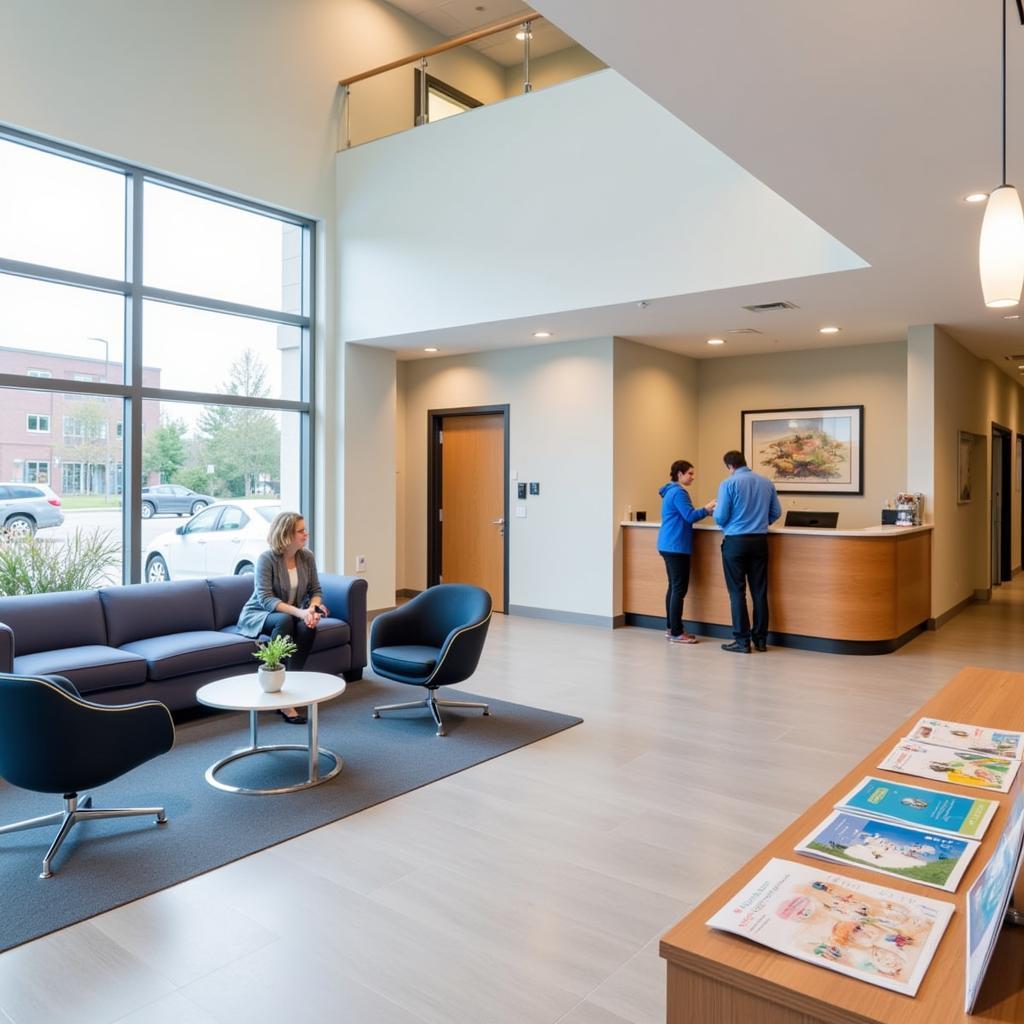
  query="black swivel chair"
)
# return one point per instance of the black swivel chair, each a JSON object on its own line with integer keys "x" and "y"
{"x": 54, "y": 741}
{"x": 434, "y": 640}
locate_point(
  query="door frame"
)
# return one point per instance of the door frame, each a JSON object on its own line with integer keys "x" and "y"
{"x": 435, "y": 528}
{"x": 1005, "y": 435}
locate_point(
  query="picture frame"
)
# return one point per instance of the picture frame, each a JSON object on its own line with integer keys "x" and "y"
{"x": 812, "y": 450}
{"x": 967, "y": 449}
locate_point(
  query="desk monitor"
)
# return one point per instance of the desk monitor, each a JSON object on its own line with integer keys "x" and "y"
{"x": 821, "y": 520}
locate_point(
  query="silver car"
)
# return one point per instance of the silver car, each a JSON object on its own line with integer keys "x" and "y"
{"x": 25, "y": 508}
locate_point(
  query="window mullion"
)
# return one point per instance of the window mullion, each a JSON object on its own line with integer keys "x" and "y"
{"x": 131, "y": 505}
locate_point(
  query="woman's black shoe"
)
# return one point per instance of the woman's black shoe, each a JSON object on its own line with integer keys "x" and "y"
{"x": 296, "y": 719}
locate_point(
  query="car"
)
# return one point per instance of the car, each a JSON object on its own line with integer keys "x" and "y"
{"x": 161, "y": 499}
{"x": 222, "y": 540}
{"x": 25, "y": 508}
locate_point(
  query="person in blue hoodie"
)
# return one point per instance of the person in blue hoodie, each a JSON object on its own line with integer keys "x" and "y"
{"x": 675, "y": 544}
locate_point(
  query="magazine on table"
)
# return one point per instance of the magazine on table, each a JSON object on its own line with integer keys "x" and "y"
{"x": 965, "y": 816}
{"x": 976, "y": 738}
{"x": 928, "y": 858}
{"x": 882, "y": 936}
{"x": 988, "y": 899}
{"x": 946, "y": 764}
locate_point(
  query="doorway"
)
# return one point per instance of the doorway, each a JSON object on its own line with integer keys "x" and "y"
{"x": 467, "y": 498}
{"x": 1002, "y": 489}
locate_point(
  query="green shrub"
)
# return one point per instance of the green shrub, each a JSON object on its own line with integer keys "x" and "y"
{"x": 32, "y": 565}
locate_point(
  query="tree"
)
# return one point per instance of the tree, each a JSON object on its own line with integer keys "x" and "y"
{"x": 164, "y": 449}
{"x": 86, "y": 440}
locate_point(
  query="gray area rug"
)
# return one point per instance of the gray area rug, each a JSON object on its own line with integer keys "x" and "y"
{"x": 104, "y": 864}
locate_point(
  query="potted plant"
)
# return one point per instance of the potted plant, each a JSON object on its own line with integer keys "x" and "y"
{"x": 272, "y": 655}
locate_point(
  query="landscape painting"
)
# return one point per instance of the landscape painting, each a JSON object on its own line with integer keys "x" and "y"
{"x": 807, "y": 451}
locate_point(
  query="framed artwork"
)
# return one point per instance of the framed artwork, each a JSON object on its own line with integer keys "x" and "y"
{"x": 807, "y": 451}
{"x": 970, "y": 448}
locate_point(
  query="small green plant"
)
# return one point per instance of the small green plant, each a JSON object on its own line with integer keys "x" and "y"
{"x": 274, "y": 651}
{"x": 33, "y": 565}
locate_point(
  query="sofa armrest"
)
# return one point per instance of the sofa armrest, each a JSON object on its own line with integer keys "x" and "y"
{"x": 345, "y": 596}
{"x": 6, "y": 648}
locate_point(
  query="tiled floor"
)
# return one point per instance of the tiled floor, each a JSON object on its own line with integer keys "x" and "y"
{"x": 532, "y": 888}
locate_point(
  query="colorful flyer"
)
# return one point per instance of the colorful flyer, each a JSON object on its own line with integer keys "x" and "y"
{"x": 988, "y": 899}
{"x": 976, "y": 738}
{"x": 881, "y": 936}
{"x": 964, "y": 816}
{"x": 929, "y": 858}
{"x": 946, "y": 764}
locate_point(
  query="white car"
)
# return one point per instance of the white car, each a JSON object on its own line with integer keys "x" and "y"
{"x": 222, "y": 540}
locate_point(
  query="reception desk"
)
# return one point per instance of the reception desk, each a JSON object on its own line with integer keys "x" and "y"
{"x": 840, "y": 591}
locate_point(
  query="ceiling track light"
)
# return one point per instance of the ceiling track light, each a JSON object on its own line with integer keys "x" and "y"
{"x": 1001, "y": 245}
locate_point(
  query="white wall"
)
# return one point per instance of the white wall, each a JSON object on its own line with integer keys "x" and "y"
{"x": 560, "y": 434}
{"x": 447, "y": 226}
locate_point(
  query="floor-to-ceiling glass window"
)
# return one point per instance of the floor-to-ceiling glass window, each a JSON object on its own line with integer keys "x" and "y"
{"x": 155, "y": 368}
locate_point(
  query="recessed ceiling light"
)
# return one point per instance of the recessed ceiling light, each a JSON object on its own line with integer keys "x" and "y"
{"x": 976, "y": 197}
{"x": 542, "y": 334}
{"x": 430, "y": 350}
{"x": 521, "y": 35}
{"x": 1011, "y": 316}
{"x": 829, "y": 330}
{"x": 716, "y": 341}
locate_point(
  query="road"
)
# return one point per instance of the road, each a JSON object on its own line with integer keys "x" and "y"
{"x": 109, "y": 520}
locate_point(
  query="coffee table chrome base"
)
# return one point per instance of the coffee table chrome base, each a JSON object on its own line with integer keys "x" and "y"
{"x": 314, "y": 776}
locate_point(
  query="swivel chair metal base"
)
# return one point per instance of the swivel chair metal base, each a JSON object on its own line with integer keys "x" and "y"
{"x": 70, "y": 816}
{"x": 433, "y": 703}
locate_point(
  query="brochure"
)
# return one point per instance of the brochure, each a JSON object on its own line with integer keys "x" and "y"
{"x": 882, "y": 936}
{"x": 975, "y": 738}
{"x": 945, "y": 764}
{"x": 964, "y": 816}
{"x": 929, "y": 858}
{"x": 988, "y": 899}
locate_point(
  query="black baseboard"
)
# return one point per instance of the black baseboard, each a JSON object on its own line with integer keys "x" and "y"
{"x": 821, "y": 645}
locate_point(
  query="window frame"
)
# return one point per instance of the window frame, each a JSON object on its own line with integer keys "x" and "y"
{"x": 38, "y": 417}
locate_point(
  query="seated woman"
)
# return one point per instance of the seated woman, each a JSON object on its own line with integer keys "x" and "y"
{"x": 286, "y": 595}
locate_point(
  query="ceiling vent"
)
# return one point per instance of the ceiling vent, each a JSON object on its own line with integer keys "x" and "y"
{"x": 743, "y": 330}
{"x": 770, "y": 307}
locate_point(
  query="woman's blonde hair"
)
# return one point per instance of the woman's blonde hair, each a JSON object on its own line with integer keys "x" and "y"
{"x": 282, "y": 530}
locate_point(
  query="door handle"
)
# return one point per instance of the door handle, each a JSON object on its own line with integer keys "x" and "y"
{"x": 498, "y": 522}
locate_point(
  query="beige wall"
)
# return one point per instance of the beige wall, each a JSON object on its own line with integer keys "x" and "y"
{"x": 655, "y": 423}
{"x": 874, "y": 376}
{"x": 552, "y": 69}
{"x": 560, "y": 434}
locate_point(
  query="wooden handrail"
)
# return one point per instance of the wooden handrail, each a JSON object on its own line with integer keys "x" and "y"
{"x": 448, "y": 44}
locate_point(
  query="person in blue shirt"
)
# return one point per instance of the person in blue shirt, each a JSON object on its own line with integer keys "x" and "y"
{"x": 747, "y": 505}
{"x": 675, "y": 544}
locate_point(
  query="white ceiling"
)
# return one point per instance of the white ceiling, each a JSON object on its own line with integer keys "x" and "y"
{"x": 456, "y": 17}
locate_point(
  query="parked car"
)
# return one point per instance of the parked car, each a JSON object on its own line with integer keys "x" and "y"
{"x": 25, "y": 508}
{"x": 174, "y": 499}
{"x": 222, "y": 540}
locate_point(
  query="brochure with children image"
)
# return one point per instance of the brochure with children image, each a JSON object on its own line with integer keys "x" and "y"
{"x": 881, "y": 936}
{"x": 929, "y": 858}
{"x": 975, "y": 738}
{"x": 964, "y": 816}
{"x": 946, "y": 764}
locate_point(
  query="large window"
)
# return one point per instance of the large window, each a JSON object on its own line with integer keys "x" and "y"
{"x": 155, "y": 357}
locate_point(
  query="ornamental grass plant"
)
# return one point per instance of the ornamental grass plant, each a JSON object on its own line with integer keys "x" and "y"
{"x": 34, "y": 565}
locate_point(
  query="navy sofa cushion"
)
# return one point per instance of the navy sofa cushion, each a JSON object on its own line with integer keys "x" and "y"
{"x": 90, "y": 667}
{"x": 197, "y": 651}
{"x": 331, "y": 633}
{"x": 144, "y": 610}
{"x": 229, "y": 593}
{"x": 72, "y": 619}
{"x": 406, "y": 660}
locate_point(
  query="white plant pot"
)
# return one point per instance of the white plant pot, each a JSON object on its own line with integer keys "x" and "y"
{"x": 271, "y": 681}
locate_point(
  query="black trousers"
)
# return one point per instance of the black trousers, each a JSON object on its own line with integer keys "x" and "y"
{"x": 745, "y": 561}
{"x": 677, "y": 566}
{"x": 283, "y": 624}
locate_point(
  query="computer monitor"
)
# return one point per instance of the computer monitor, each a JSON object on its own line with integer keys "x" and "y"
{"x": 820, "y": 520}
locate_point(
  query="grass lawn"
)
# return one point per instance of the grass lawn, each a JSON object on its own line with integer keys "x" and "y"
{"x": 74, "y": 501}
{"x": 937, "y": 872}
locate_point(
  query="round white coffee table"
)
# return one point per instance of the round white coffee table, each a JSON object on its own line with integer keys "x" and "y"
{"x": 301, "y": 689}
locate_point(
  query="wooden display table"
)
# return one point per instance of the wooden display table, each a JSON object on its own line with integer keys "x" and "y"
{"x": 718, "y": 978}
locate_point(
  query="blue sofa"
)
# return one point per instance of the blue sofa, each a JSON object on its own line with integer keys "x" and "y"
{"x": 163, "y": 641}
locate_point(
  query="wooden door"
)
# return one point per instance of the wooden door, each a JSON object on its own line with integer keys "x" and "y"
{"x": 473, "y": 503}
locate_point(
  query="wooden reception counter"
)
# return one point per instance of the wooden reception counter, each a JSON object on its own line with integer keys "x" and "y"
{"x": 841, "y": 591}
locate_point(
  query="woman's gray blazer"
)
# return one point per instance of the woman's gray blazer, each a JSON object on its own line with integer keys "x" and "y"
{"x": 271, "y": 586}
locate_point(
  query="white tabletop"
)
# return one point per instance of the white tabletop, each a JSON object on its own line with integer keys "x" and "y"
{"x": 243, "y": 693}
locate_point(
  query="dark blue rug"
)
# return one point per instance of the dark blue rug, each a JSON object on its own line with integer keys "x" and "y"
{"x": 104, "y": 864}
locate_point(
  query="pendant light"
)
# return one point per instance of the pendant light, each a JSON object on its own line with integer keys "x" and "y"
{"x": 1001, "y": 247}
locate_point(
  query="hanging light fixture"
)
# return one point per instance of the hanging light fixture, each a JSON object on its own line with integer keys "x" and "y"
{"x": 1001, "y": 247}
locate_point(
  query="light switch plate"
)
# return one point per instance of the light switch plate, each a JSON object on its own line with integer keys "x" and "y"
{"x": 520, "y": 511}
